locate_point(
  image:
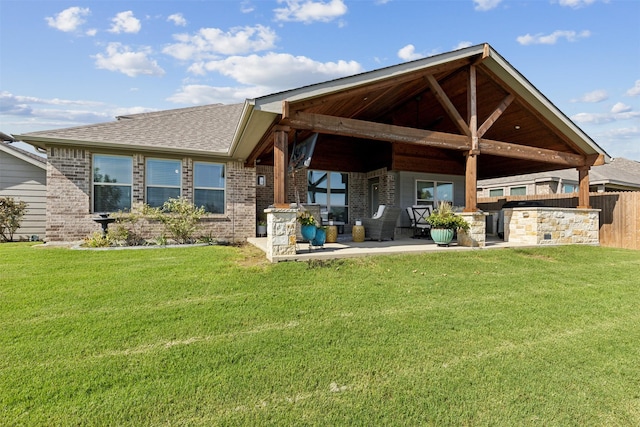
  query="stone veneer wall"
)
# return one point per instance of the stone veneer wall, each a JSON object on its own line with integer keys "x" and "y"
{"x": 552, "y": 226}
{"x": 69, "y": 216}
{"x": 476, "y": 237}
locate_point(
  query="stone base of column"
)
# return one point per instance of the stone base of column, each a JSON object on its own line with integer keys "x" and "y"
{"x": 476, "y": 236}
{"x": 281, "y": 232}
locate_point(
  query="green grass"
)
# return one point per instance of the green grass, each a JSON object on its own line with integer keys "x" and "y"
{"x": 210, "y": 336}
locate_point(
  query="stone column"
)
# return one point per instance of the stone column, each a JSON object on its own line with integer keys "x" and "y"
{"x": 281, "y": 232}
{"x": 476, "y": 237}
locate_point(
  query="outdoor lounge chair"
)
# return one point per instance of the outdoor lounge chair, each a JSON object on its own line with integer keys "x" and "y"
{"x": 383, "y": 226}
{"x": 418, "y": 216}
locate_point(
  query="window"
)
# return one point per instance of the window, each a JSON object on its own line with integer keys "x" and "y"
{"x": 208, "y": 186}
{"x": 496, "y": 192}
{"x": 569, "y": 188}
{"x": 518, "y": 191}
{"x": 330, "y": 191}
{"x": 112, "y": 182}
{"x": 163, "y": 181}
{"x": 433, "y": 192}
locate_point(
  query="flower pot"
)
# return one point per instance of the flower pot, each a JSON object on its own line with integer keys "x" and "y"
{"x": 442, "y": 236}
{"x": 308, "y": 232}
{"x": 320, "y": 237}
{"x": 262, "y": 230}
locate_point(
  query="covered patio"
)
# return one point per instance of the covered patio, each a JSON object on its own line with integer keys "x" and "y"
{"x": 346, "y": 248}
{"x": 451, "y": 118}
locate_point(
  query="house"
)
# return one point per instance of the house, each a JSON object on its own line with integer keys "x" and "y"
{"x": 619, "y": 175}
{"x": 23, "y": 176}
{"x": 415, "y": 133}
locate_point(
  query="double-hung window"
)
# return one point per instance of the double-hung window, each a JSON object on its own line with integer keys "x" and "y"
{"x": 209, "y": 186}
{"x": 112, "y": 183}
{"x": 433, "y": 192}
{"x": 163, "y": 181}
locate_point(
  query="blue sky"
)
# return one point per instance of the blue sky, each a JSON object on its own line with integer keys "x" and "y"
{"x": 71, "y": 63}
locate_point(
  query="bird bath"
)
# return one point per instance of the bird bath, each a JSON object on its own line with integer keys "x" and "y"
{"x": 104, "y": 222}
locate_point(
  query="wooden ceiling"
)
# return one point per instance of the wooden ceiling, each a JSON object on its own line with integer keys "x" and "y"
{"x": 376, "y": 125}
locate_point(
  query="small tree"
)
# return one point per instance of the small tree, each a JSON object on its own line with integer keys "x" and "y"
{"x": 11, "y": 213}
{"x": 180, "y": 218}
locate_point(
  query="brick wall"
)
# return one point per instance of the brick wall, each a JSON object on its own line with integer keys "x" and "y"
{"x": 69, "y": 216}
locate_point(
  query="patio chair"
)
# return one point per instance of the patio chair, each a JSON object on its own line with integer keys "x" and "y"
{"x": 418, "y": 216}
{"x": 383, "y": 226}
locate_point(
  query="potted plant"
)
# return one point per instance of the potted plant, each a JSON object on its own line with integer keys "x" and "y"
{"x": 320, "y": 238}
{"x": 262, "y": 224}
{"x": 444, "y": 223}
{"x": 307, "y": 225}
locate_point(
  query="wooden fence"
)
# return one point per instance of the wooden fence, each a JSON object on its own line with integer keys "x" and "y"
{"x": 619, "y": 213}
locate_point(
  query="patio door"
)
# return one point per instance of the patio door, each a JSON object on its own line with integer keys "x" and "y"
{"x": 374, "y": 195}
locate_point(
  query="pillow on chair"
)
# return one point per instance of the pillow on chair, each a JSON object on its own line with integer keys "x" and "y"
{"x": 380, "y": 211}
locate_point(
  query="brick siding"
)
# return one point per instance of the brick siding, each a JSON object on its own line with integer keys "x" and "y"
{"x": 69, "y": 215}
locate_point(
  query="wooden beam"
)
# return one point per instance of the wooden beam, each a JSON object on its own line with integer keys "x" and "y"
{"x": 392, "y": 133}
{"x": 377, "y": 131}
{"x": 525, "y": 152}
{"x": 280, "y": 153}
{"x": 471, "y": 166}
{"x": 366, "y": 89}
{"x": 583, "y": 189}
{"x": 495, "y": 115}
{"x": 448, "y": 106}
{"x": 471, "y": 183}
{"x": 265, "y": 143}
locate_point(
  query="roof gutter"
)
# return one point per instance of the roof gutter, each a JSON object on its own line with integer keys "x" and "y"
{"x": 245, "y": 117}
{"x": 43, "y": 142}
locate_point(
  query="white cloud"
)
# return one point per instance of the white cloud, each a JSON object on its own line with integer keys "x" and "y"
{"x": 619, "y": 107}
{"x": 462, "y": 45}
{"x": 246, "y": 6}
{"x": 209, "y": 42}
{"x": 308, "y": 11}
{"x": 177, "y": 19}
{"x": 617, "y": 113}
{"x": 125, "y": 22}
{"x": 203, "y": 94}
{"x": 484, "y": 5}
{"x": 408, "y": 53}
{"x": 279, "y": 71}
{"x": 552, "y": 38}
{"x": 593, "y": 97}
{"x": 575, "y": 4}
{"x": 69, "y": 19}
{"x": 635, "y": 90}
{"x": 92, "y": 32}
{"x": 120, "y": 58}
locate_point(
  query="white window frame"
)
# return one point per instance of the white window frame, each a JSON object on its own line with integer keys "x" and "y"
{"x": 119, "y": 184}
{"x": 224, "y": 189}
{"x": 518, "y": 187}
{"x": 146, "y": 177}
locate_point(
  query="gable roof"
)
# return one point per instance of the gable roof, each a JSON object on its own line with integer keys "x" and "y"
{"x": 205, "y": 130}
{"x": 390, "y": 96}
{"x": 383, "y": 96}
{"x": 24, "y": 155}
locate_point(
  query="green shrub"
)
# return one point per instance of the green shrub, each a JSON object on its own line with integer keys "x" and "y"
{"x": 180, "y": 218}
{"x": 11, "y": 213}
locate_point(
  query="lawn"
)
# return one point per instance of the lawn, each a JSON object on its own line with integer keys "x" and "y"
{"x": 214, "y": 336}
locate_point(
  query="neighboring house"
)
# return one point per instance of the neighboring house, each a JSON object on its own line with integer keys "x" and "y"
{"x": 414, "y": 133}
{"x": 23, "y": 176}
{"x": 619, "y": 175}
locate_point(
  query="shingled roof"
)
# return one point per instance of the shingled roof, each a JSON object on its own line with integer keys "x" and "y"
{"x": 621, "y": 172}
{"x": 207, "y": 130}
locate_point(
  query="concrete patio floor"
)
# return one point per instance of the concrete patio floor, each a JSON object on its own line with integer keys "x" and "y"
{"x": 346, "y": 248}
